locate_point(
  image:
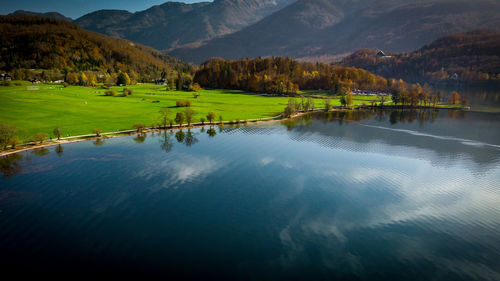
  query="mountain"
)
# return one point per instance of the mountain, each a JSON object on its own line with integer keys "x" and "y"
{"x": 53, "y": 15}
{"x": 468, "y": 57}
{"x": 175, "y": 24}
{"x": 309, "y": 28}
{"x": 30, "y": 42}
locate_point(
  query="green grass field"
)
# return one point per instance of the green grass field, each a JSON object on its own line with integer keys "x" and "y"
{"x": 79, "y": 110}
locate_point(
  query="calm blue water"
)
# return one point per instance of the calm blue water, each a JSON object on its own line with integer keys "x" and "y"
{"x": 358, "y": 196}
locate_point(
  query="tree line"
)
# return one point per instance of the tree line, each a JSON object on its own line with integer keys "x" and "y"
{"x": 279, "y": 75}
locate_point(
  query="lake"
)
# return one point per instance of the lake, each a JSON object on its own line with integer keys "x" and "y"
{"x": 392, "y": 195}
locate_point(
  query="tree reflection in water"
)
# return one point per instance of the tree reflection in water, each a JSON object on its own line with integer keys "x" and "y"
{"x": 166, "y": 143}
{"x": 99, "y": 142}
{"x": 180, "y": 135}
{"x": 59, "y": 150}
{"x": 392, "y": 116}
{"x": 211, "y": 132}
{"x": 11, "y": 165}
{"x": 190, "y": 139}
{"x": 140, "y": 138}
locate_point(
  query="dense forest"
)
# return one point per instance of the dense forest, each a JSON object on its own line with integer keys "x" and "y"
{"x": 50, "y": 49}
{"x": 286, "y": 76}
{"x": 464, "y": 57}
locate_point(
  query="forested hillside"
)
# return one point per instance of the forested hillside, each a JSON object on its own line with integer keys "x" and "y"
{"x": 286, "y": 76}
{"x": 60, "y": 47}
{"x": 464, "y": 57}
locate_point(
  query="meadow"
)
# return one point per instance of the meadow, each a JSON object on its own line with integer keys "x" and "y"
{"x": 79, "y": 110}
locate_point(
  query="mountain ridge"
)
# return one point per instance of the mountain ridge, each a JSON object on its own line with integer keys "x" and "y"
{"x": 309, "y": 28}
{"x": 174, "y": 24}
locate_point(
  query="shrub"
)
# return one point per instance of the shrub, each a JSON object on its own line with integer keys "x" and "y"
{"x": 127, "y": 92}
{"x": 18, "y": 84}
{"x": 195, "y": 87}
{"x": 6, "y": 83}
{"x": 183, "y": 103}
{"x": 110, "y": 93}
{"x": 65, "y": 84}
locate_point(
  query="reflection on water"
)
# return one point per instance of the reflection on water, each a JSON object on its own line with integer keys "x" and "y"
{"x": 59, "y": 150}
{"x": 99, "y": 142}
{"x": 11, "y": 165}
{"x": 366, "y": 195}
{"x": 140, "y": 138}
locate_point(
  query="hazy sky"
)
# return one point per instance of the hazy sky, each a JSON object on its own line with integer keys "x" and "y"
{"x": 77, "y": 8}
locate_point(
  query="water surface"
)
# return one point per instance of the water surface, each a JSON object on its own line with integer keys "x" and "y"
{"x": 353, "y": 196}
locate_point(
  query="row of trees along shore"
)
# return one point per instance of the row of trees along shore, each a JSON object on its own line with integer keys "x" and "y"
{"x": 9, "y": 138}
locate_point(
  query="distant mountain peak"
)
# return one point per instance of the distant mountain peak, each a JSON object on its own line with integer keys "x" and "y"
{"x": 54, "y": 15}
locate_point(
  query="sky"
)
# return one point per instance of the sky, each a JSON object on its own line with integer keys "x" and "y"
{"x": 77, "y": 8}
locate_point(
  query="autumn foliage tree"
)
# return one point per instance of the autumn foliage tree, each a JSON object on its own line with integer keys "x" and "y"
{"x": 454, "y": 98}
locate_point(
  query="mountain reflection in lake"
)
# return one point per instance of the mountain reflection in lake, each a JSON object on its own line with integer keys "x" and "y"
{"x": 367, "y": 195}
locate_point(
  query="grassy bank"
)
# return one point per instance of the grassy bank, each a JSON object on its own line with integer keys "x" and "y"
{"x": 79, "y": 110}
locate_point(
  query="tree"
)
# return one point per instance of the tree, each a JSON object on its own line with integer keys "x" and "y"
{"x": 57, "y": 133}
{"x": 179, "y": 118}
{"x": 291, "y": 108}
{"x": 349, "y": 99}
{"x": 14, "y": 141}
{"x": 7, "y": 132}
{"x": 211, "y": 117}
{"x": 328, "y": 104}
{"x": 97, "y": 132}
{"x": 189, "y": 113}
{"x": 72, "y": 78}
{"x": 195, "y": 87}
{"x": 346, "y": 100}
{"x": 40, "y": 137}
{"x": 454, "y": 98}
{"x": 139, "y": 127}
{"x": 164, "y": 113}
{"x": 123, "y": 79}
{"x": 221, "y": 120}
{"x": 202, "y": 120}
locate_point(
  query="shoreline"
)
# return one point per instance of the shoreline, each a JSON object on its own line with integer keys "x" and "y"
{"x": 124, "y": 133}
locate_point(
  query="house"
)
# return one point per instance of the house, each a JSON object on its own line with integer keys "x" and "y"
{"x": 382, "y": 55}
{"x": 5, "y": 77}
{"x": 161, "y": 81}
